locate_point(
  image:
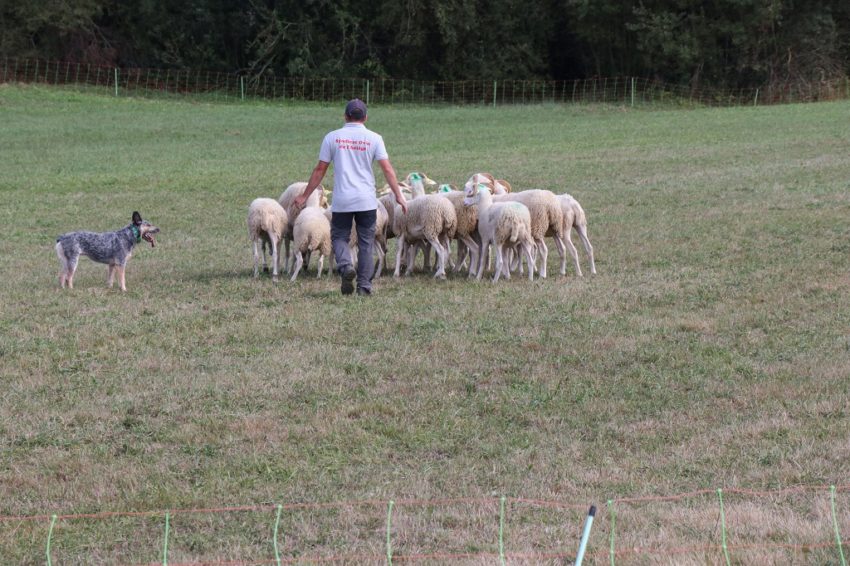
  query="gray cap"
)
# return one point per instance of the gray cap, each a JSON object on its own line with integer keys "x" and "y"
{"x": 355, "y": 109}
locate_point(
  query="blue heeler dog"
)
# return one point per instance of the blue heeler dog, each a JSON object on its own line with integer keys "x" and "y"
{"x": 112, "y": 248}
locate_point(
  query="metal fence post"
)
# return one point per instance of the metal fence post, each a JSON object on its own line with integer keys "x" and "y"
{"x": 367, "y": 93}
{"x": 633, "y": 91}
{"x": 494, "y": 94}
{"x": 116, "y": 81}
{"x": 756, "y": 98}
{"x": 242, "y": 86}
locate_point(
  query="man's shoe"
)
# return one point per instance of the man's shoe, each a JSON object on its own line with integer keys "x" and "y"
{"x": 364, "y": 292}
{"x": 347, "y": 285}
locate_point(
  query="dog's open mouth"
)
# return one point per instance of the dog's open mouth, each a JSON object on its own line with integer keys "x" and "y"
{"x": 148, "y": 237}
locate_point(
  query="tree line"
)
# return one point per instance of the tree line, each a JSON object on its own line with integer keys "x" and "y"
{"x": 724, "y": 43}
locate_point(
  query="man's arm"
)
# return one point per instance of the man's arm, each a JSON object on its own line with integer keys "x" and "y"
{"x": 389, "y": 174}
{"x": 315, "y": 178}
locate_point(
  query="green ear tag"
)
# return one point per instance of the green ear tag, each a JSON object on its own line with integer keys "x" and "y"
{"x": 445, "y": 189}
{"x": 415, "y": 177}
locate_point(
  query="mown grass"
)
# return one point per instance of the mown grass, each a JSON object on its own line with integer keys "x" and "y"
{"x": 712, "y": 350}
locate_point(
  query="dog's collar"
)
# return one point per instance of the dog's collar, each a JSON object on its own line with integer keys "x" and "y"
{"x": 136, "y": 232}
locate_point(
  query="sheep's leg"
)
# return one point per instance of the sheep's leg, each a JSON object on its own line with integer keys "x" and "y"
{"x": 529, "y": 259}
{"x": 471, "y": 249}
{"x": 411, "y": 256}
{"x": 299, "y": 261}
{"x": 544, "y": 256}
{"x": 321, "y": 264}
{"x": 559, "y": 244}
{"x": 426, "y": 250}
{"x": 265, "y": 245}
{"x": 482, "y": 258}
{"x": 511, "y": 263}
{"x": 256, "y": 258}
{"x": 500, "y": 261}
{"x": 440, "y": 257}
{"x": 307, "y": 255}
{"x": 447, "y": 245}
{"x": 568, "y": 242}
{"x": 275, "y": 259}
{"x": 582, "y": 232}
{"x": 399, "y": 249}
{"x": 289, "y": 262}
{"x": 462, "y": 255}
{"x": 382, "y": 255}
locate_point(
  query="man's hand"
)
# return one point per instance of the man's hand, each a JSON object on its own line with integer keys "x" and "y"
{"x": 300, "y": 201}
{"x": 402, "y": 203}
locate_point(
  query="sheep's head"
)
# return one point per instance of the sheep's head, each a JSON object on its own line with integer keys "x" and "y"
{"x": 417, "y": 177}
{"x": 472, "y": 191}
{"x": 486, "y": 178}
{"x": 481, "y": 179}
{"x": 501, "y": 187}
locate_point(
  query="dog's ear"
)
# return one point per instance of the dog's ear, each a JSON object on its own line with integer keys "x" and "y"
{"x": 137, "y": 218}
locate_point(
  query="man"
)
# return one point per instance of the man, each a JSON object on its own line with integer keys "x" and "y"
{"x": 352, "y": 149}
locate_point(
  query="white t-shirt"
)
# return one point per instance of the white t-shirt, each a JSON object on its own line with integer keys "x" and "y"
{"x": 352, "y": 149}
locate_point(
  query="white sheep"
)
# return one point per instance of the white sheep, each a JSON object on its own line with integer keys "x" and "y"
{"x": 311, "y": 233}
{"x": 504, "y": 225}
{"x": 574, "y": 217}
{"x": 429, "y": 218}
{"x": 466, "y": 232}
{"x": 317, "y": 198}
{"x": 267, "y": 224}
{"x": 547, "y": 218}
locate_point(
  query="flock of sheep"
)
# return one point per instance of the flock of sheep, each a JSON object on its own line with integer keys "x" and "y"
{"x": 485, "y": 214}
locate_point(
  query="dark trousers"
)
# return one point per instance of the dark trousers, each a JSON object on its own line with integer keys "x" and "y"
{"x": 340, "y": 235}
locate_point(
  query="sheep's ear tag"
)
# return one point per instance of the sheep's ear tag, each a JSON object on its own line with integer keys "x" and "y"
{"x": 445, "y": 189}
{"x": 415, "y": 177}
{"x": 483, "y": 187}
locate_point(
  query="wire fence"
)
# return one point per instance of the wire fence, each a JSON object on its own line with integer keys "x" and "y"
{"x": 628, "y": 91}
{"x": 794, "y": 525}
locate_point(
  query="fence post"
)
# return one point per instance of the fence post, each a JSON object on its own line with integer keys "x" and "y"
{"x": 367, "y": 93}
{"x": 633, "y": 92}
{"x": 723, "y": 528}
{"x": 165, "y": 540}
{"x": 756, "y": 99}
{"x": 389, "y": 530}
{"x": 116, "y": 81}
{"x": 494, "y": 94}
{"x": 5, "y": 67}
{"x": 834, "y": 524}
{"x": 49, "y": 539}
{"x": 242, "y": 86}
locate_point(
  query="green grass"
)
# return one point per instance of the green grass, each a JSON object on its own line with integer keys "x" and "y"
{"x": 712, "y": 350}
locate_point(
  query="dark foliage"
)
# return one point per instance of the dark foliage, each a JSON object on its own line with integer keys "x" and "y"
{"x": 731, "y": 43}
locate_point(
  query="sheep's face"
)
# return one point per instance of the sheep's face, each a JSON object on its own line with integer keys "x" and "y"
{"x": 472, "y": 192}
{"x": 474, "y": 184}
{"x": 417, "y": 177}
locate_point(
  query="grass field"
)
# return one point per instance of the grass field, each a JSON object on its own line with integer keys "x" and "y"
{"x": 712, "y": 349}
